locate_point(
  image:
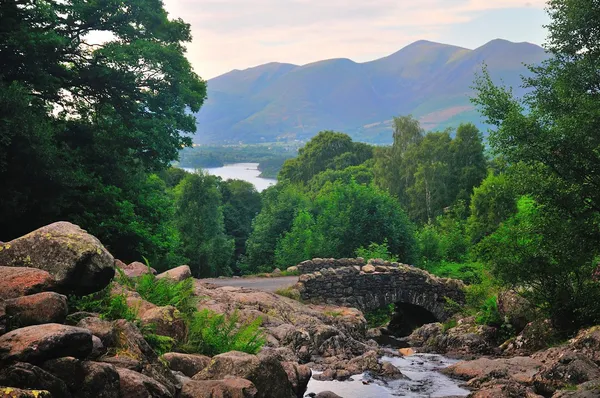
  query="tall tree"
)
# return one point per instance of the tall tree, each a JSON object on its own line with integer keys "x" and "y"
{"x": 100, "y": 116}
{"x": 554, "y": 132}
{"x": 199, "y": 218}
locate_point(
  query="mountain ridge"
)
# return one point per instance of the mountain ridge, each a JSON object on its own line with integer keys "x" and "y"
{"x": 283, "y": 101}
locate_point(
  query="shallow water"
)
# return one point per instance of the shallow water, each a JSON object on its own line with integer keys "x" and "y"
{"x": 424, "y": 381}
{"x": 241, "y": 171}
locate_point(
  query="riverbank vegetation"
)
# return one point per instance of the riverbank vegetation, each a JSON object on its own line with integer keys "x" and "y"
{"x": 89, "y": 134}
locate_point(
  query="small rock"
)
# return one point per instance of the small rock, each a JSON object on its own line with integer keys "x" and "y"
{"x": 40, "y": 343}
{"x": 98, "y": 349}
{"x": 368, "y": 269}
{"x": 406, "y": 352}
{"x": 233, "y": 387}
{"x": 31, "y": 377}
{"x": 177, "y": 274}
{"x": 292, "y": 269}
{"x": 277, "y": 271}
{"x": 390, "y": 372}
{"x": 39, "y": 308}
{"x": 136, "y": 385}
{"x": 76, "y": 260}
{"x": 187, "y": 364}
{"x": 298, "y": 375}
{"x": 135, "y": 269}
{"x": 11, "y": 392}
{"x": 327, "y": 394}
{"x": 74, "y": 318}
{"x": 22, "y": 281}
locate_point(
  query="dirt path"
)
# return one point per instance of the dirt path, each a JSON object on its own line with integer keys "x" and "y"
{"x": 264, "y": 284}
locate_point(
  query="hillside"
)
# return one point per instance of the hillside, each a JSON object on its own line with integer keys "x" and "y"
{"x": 429, "y": 80}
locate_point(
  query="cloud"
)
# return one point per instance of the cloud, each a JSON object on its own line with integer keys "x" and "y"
{"x": 236, "y": 34}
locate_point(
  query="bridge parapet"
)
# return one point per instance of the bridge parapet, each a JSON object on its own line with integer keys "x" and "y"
{"x": 317, "y": 264}
{"x": 374, "y": 286}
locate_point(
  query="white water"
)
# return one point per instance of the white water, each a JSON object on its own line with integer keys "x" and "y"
{"x": 241, "y": 171}
{"x": 424, "y": 381}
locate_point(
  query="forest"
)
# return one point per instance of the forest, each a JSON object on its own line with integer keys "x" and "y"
{"x": 88, "y": 133}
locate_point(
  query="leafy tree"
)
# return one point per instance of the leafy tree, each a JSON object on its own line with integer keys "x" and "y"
{"x": 469, "y": 166}
{"x": 200, "y": 221}
{"x": 553, "y": 131}
{"x": 173, "y": 176}
{"x": 541, "y": 250}
{"x": 241, "y": 203}
{"x": 326, "y": 150}
{"x": 362, "y": 174}
{"x": 281, "y": 203}
{"x": 83, "y": 124}
{"x": 301, "y": 243}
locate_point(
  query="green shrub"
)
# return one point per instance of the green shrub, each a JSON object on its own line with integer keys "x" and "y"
{"x": 212, "y": 334}
{"x": 470, "y": 273}
{"x": 289, "y": 292}
{"x": 375, "y": 250}
{"x": 109, "y": 306}
{"x": 165, "y": 291}
{"x": 451, "y": 323}
{"x": 379, "y": 317}
{"x": 160, "y": 344}
{"x": 488, "y": 314}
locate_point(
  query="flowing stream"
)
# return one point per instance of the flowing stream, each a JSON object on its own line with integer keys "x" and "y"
{"x": 423, "y": 381}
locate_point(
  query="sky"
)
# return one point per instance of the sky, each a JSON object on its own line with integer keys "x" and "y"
{"x": 238, "y": 34}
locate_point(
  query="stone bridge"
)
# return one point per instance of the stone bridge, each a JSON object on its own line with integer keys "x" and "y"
{"x": 351, "y": 283}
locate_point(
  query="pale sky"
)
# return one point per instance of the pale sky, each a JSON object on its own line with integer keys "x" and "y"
{"x": 238, "y": 34}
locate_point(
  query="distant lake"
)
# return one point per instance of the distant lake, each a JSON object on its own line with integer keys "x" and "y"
{"x": 241, "y": 171}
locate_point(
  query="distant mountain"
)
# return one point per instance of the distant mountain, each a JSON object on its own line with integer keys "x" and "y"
{"x": 431, "y": 81}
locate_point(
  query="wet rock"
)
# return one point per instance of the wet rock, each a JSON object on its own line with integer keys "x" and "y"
{"x": 519, "y": 369}
{"x": 31, "y": 377}
{"x": 86, "y": 379}
{"x": 39, "y": 308}
{"x": 136, "y": 385}
{"x": 298, "y": 375}
{"x": 233, "y": 387}
{"x": 390, "y": 372}
{"x": 327, "y": 394}
{"x": 104, "y": 330}
{"x": 177, "y": 274}
{"x": 76, "y": 260}
{"x": 11, "y": 392}
{"x": 134, "y": 269}
{"x": 167, "y": 321}
{"x": 187, "y": 364}
{"x": 40, "y": 343}
{"x": 22, "y": 281}
{"x": 266, "y": 373}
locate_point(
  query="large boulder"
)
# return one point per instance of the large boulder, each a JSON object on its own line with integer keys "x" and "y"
{"x": 177, "y": 274}
{"x": 167, "y": 321}
{"x": 136, "y": 385}
{"x": 232, "y": 387}
{"x": 100, "y": 328}
{"x": 22, "y": 281}
{"x": 518, "y": 369}
{"x": 515, "y": 309}
{"x": 86, "y": 379}
{"x": 26, "y": 375}
{"x": 130, "y": 340}
{"x": 188, "y": 364}
{"x": 266, "y": 373}
{"x": 40, "y": 343}
{"x": 40, "y": 308}
{"x": 76, "y": 260}
{"x": 571, "y": 369}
